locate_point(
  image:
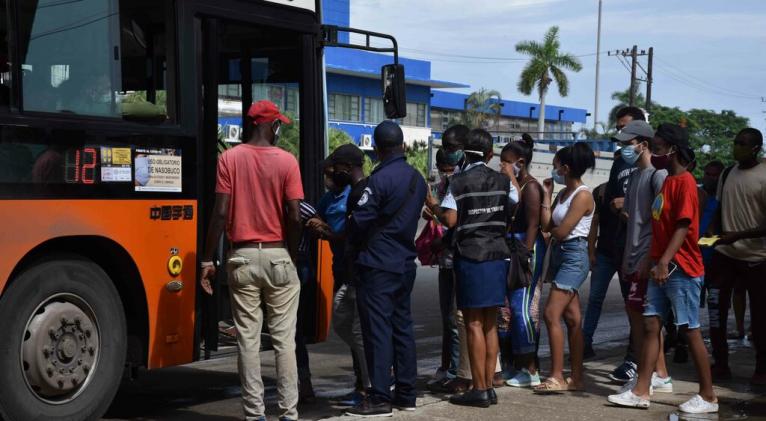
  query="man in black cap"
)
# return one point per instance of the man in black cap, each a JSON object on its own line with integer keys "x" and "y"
{"x": 383, "y": 226}
{"x": 344, "y": 176}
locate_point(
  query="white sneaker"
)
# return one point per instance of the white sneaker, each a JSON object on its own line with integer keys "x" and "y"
{"x": 662, "y": 385}
{"x": 697, "y": 405}
{"x": 744, "y": 342}
{"x": 629, "y": 399}
{"x": 629, "y": 386}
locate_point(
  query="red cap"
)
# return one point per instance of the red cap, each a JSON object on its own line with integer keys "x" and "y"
{"x": 266, "y": 112}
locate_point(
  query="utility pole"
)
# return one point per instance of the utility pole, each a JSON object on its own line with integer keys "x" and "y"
{"x": 598, "y": 65}
{"x": 633, "y": 56}
{"x": 649, "y": 80}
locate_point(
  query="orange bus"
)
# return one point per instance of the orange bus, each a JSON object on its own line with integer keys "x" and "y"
{"x": 109, "y": 134}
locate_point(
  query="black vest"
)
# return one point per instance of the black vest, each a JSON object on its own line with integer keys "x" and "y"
{"x": 482, "y": 213}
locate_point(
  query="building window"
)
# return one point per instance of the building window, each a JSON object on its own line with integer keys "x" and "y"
{"x": 374, "y": 111}
{"x": 344, "y": 107}
{"x": 416, "y": 115}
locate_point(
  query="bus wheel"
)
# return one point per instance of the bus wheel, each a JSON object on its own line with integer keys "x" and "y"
{"x": 63, "y": 342}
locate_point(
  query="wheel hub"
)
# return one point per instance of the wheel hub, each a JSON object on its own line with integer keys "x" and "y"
{"x": 60, "y": 348}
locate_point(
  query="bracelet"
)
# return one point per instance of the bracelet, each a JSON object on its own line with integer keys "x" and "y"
{"x": 546, "y": 207}
{"x": 207, "y": 264}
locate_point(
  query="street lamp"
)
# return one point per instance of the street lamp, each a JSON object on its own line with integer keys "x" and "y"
{"x": 529, "y": 122}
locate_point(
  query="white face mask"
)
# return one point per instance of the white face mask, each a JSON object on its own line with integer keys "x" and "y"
{"x": 516, "y": 169}
{"x": 276, "y": 133}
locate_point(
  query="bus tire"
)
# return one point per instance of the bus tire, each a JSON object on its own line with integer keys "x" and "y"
{"x": 63, "y": 342}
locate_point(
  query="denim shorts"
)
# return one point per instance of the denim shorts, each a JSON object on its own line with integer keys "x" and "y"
{"x": 681, "y": 293}
{"x": 570, "y": 264}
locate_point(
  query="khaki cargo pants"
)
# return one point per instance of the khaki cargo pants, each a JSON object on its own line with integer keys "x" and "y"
{"x": 265, "y": 280}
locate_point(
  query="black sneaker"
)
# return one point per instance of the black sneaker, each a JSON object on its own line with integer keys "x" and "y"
{"x": 368, "y": 409}
{"x": 588, "y": 352}
{"x": 473, "y": 397}
{"x": 625, "y": 372}
{"x": 492, "y": 396}
{"x": 403, "y": 405}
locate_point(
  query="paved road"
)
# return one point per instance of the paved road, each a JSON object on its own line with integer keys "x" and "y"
{"x": 209, "y": 390}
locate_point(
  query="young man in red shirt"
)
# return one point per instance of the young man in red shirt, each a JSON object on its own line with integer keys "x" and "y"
{"x": 676, "y": 278}
{"x": 258, "y": 194}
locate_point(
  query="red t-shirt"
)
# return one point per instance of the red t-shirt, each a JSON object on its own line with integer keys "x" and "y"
{"x": 678, "y": 201}
{"x": 260, "y": 180}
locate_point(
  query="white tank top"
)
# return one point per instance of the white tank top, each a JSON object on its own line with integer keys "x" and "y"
{"x": 582, "y": 229}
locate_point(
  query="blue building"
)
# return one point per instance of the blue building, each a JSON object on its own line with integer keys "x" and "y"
{"x": 355, "y": 105}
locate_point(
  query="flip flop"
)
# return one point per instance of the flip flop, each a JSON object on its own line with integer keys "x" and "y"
{"x": 550, "y": 386}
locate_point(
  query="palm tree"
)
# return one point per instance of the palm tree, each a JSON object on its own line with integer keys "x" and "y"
{"x": 547, "y": 64}
{"x": 481, "y": 107}
{"x": 623, "y": 99}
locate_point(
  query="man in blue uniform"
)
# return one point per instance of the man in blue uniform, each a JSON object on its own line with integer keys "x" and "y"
{"x": 383, "y": 228}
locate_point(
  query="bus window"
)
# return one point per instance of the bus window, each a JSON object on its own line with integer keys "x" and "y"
{"x": 272, "y": 57}
{"x": 96, "y": 58}
{"x": 5, "y": 68}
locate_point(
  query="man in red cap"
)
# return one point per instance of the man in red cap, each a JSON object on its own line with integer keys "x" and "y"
{"x": 258, "y": 194}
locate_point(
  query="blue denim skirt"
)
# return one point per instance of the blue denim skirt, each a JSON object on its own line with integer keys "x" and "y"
{"x": 570, "y": 264}
{"x": 481, "y": 284}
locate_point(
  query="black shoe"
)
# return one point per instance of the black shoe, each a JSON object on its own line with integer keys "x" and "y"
{"x": 492, "y": 396}
{"x": 625, "y": 372}
{"x": 588, "y": 352}
{"x": 439, "y": 387}
{"x": 681, "y": 356}
{"x": 403, "y": 405}
{"x": 473, "y": 397}
{"x": 368, "y": 409}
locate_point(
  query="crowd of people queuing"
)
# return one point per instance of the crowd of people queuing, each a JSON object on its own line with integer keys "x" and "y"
{"x": 500, "y": 235}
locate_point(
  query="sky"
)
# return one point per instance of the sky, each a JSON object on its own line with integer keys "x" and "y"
{"x": 708, "y": 54}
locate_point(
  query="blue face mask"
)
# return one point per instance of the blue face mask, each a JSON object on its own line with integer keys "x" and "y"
{"x": 455, "y": 157}
{"x": 629, "y": 154}
{"x": 558, "y": 178}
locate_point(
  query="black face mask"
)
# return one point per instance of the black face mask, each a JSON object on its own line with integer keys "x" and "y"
{"x": 341, "y": 179}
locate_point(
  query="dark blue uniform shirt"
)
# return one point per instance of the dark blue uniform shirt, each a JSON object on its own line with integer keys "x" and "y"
{"x": 387, "y": 239}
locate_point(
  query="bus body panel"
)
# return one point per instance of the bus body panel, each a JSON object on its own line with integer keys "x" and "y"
{"x": 150, "y": 241}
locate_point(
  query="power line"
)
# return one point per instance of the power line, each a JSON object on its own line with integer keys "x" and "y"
{"x": 698, "y": 86}
{"x": 701, "y": 81}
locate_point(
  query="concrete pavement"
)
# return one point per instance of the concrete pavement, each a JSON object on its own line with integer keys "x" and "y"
{"x": 209, "y": 390}
{"x": 738, "y": 400}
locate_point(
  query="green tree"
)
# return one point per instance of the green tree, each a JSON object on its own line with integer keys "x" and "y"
{"x": 601, "y": 131}
{"x": 546, "y": 65}
{"x": 417, "y": 156}
{"x": 623, "y": 99}
{"x": 482, "y": 108}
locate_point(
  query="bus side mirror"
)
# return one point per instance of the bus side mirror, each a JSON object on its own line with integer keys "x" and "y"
{"x": 394, "y": 97}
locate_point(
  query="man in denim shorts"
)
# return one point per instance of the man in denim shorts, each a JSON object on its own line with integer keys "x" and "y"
{"x": 676, "y": 278}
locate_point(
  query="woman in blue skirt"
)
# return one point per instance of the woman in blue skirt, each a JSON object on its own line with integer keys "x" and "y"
{"x": 476, "y": 209}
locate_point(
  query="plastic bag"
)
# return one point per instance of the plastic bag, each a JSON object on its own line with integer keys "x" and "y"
{"x": 431, "y": 232}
